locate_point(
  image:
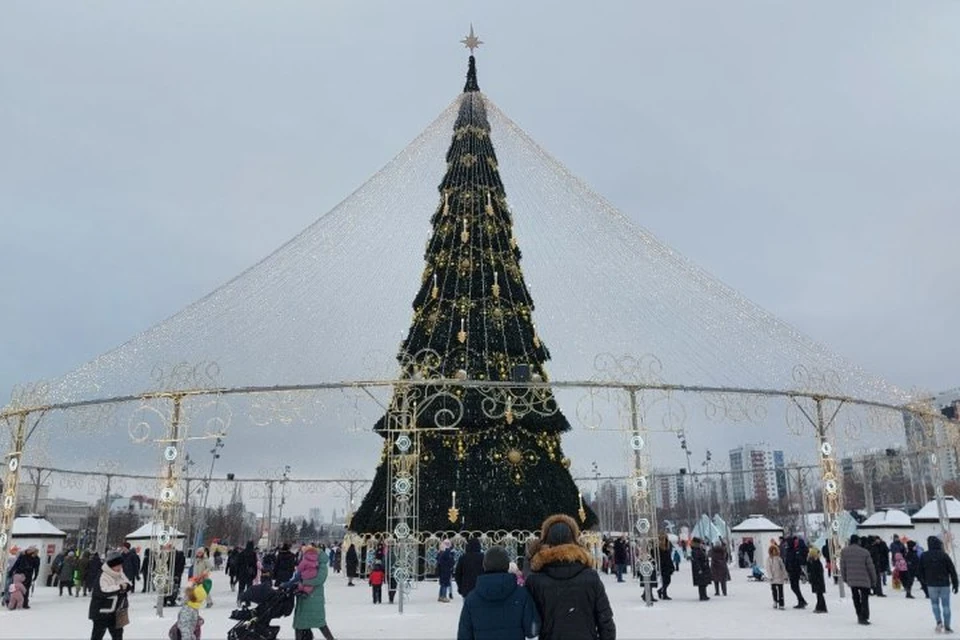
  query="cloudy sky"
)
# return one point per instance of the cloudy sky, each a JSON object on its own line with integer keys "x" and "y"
{"x": 804, "y": 152}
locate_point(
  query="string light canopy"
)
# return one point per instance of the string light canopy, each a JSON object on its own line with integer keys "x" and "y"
{"x": 329, "y": 304}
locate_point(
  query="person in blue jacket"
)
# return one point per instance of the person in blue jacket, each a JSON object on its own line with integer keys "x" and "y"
{"x": 445, "y": 565}
{"x": 498, "y": 608}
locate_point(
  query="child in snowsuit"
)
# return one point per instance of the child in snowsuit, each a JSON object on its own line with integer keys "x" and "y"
{"x": 308, "y": 569}
{"x": 189, "y": 620}
{"x": 16, "y": 592}
{"x": 777, "y": 572}
{"x": 377, "y": 576}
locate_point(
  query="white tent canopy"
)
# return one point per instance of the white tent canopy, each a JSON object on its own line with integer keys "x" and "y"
{"x": 34, "y": 531}
{"x": 35, "y": 527}
{"x": 887, "y": 519}
{"x": 929, "y": 512}
{"x": 148, "y": 530}
{"x": 757, "y": 524}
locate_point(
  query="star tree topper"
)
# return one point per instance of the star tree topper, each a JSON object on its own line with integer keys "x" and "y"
{"x": 471, "y": 41}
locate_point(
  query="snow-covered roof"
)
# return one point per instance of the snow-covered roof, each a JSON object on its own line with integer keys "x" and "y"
{"x": 757, "y": 523}
{"x": 147, "y": 531}
{"x": 35, "y": 527}
{"x": 929, "y": 511}
{"x": 888, "y": 519}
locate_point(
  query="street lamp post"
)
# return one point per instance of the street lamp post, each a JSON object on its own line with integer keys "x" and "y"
{"x": 682, "y": 436}
{"x": 283, "y": 495}
{"x": 201, "y": 527}
{"x": 705, "y": 465}
{"x": 596, "y": 500}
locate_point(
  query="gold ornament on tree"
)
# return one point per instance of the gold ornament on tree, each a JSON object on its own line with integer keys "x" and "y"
{"x": 489, "y": 206}
{"x": 453, "y": 514}
{"x": 536, "y": 338}
{"x": 446, "y": 202}
{"x": 495, "y": 289}
{"x": 464, "y": 235}
{"x": 435, "y": 293}
{"x": 462, "y": 335}
{"x": 566, "y": 463}
{"x": 514, "y": 456}
{"x": 581, "y": 511}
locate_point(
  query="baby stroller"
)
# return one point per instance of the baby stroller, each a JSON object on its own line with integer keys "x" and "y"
{"x": 254, "y": 624}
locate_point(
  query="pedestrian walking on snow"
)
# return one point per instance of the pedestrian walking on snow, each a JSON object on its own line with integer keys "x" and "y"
{"x": 860, "y": 573}
{"x": 815, "y": 576}
{"x": 940, "y": 576}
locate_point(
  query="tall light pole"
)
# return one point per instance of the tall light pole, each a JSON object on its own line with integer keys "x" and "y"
{"x": 596, "y": 499}
{"x": 705, "y": 465}
{"x": 682, "y": 436}
{"x": 214, "y": 456}
{"x": 283, "y": 496}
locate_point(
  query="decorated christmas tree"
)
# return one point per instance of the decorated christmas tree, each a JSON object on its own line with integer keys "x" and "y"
{"x": 473, "y": 320}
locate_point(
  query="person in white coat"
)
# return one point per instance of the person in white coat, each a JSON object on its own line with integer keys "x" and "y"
{"x": 777, "y": 573}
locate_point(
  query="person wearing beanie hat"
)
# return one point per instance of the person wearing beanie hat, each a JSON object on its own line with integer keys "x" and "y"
{"x": 189, "y": 620}
{"x": 498, "y": 608}
{"x": 109, "y": 598}
{"x": 569, "y": 595}
{"x": 445, "y": 565}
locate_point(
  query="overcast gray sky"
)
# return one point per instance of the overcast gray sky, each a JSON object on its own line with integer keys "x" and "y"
{"x": 807, "y": 153}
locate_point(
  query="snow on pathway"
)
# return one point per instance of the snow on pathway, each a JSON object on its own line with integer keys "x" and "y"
{"x": 746, "y": 613}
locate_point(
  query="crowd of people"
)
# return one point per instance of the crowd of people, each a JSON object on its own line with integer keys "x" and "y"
{"x": 551, "y": 589}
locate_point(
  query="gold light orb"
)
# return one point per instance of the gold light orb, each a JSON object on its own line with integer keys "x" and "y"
{"x": 514, "y": 456}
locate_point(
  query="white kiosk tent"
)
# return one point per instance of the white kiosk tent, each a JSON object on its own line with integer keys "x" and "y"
{"x": 35, "y": 531}
{"x": 759, "y": 529}
{"x": 142, "y": 536}
{"x": 926, "y": 522}
{"x": 887, "y": 522}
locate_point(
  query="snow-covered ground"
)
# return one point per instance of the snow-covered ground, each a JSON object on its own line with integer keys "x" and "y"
{"x": 746, "y": 613}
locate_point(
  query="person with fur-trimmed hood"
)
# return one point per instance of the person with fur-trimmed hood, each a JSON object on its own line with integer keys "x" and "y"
{"x": 569, "y": 595}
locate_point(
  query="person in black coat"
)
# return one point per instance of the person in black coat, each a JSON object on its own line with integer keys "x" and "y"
{"x": 233, "y": 558}
{"x": 131, "y": 564}
{"x": 913, "y": 568}
{"x": 353, "y": 564}
{"x": 246, "y": 567}
{"x": 568, "y": 592}
{"x": 700, "y": 567}
{"x": 179, "y": 566}
{"x": 28, "y": 564}
{"x": 620, "y": 557}
{"x": 880, "y": 553}
{"x": 469, "y": 566}
{"x": 145, "y": 570}
{"x": 794, "y": 558}
{"x": 285, "y": 566}
{"x": 665, "y": 560}
{"x": 815, "y": 576}
{"x": 92, "y": 573}
{"x": 940, "y": 576}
